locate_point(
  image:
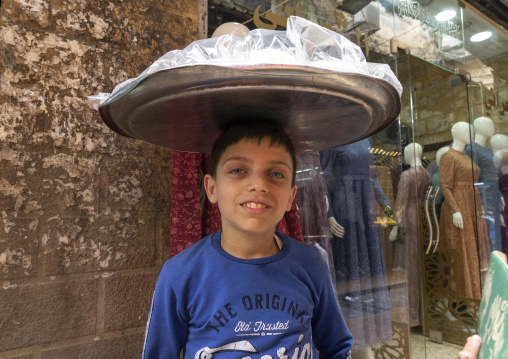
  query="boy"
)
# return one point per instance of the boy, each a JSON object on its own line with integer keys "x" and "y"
{"x": 247, "y": 291}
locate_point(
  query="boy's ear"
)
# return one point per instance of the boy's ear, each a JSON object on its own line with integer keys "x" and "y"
{"x": 210, "y": 188}
{"x": 291, "y": 198}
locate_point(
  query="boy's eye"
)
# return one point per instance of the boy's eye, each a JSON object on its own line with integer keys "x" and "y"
{"x": 277, "y": 175}
{"x": 236, "y": 171}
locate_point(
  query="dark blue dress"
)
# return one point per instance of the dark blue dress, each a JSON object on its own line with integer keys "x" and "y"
{"x": 489, "y": 191}
{"x": 353, "y": 190}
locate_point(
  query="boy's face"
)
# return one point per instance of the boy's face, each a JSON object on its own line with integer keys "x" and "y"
{"x": 252, "y": 187}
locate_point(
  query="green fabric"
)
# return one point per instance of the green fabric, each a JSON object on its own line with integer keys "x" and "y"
{"x": 436, "y": 181}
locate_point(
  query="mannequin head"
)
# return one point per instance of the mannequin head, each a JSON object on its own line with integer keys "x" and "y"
{"x": 231, "y": 28}
{"x": 413, "y": 154}
{"x": 461, "y": 133}
{"x": 483, "y": 126}
{"x": 440, "y": 152}
{"x": 499, "y": 142}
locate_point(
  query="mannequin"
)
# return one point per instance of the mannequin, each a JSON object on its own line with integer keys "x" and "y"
{"x": 490, "y": 195}
{"x": 353, "y": 190}
{"x": 458, "y": 223}
{"x": 499, "y": 144}
{"x": 410, "y": 192}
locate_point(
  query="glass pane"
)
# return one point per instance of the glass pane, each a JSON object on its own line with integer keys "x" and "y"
{"x": 440, "y": 115}
{"x": 487, "y": 62}
{"x": 388, "y": 158}
{"x": 359, "y": 183}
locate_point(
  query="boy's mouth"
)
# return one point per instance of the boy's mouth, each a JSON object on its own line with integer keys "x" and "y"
{"x": 254, "y": 205}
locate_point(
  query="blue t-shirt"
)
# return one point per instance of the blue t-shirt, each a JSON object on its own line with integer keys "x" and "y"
{"x": 214, "y": 305}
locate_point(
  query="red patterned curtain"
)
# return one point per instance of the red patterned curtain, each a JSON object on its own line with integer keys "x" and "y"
{"x": 188, "y": 225}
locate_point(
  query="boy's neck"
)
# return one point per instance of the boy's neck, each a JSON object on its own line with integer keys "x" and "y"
{"x": 249, "y": 247}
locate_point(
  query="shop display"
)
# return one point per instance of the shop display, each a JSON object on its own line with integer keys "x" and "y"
{"x": 353, "y": 190}
{"x": 312, "y": 205}
{"x": 413, "y": 184}
{"x": 488, "y": 187}
{"x": 459, "y": 226}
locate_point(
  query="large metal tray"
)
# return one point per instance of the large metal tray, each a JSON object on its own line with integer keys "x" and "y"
{"x": 186, "y": 108}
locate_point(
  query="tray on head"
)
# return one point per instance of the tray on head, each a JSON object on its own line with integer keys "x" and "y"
{"x": 185, "y": 108}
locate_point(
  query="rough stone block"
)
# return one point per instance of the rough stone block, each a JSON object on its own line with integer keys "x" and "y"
{"x": 65, "y": 184}
{"x": 28, "y": 12}
{"x": 110, "y": 242}
{"x": 37, "y": 314}
{"x": 139, "y": 183}
{"x": 127, "y": 300}
{"x": 34, "y": 184}
{"x": 13, "y": 190}
{"x": 46, "y": 79}
{"x": 126, "y": 347}
{"x": 138, "y": 25}
{"x": 18, "y": 248}
{"x": 16, "y": 356}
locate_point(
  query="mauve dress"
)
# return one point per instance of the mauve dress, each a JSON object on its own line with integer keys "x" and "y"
{"x": 413, "y": 184}
{"x": 503, "y": 187}
{"x": 353, "y": 189}
{"x": 457, "y": 184}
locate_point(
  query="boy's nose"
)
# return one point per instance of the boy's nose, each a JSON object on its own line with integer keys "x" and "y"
{"x": 258, "y": 183}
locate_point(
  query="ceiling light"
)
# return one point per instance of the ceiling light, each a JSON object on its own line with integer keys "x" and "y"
{"x": 484, "y": 35}
{"x": 446, "y": 15}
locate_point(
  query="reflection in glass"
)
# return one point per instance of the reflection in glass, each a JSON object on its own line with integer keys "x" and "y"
{"x": 353, "y": 189}
{"x": 312, "y": 205}
{"x": 412, "y": 186}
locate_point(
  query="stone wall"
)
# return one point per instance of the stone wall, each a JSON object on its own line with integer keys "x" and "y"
{"x": 84, "y": 213}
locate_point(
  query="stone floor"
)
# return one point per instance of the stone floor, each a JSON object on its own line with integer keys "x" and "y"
{"x": 420, "y": 347}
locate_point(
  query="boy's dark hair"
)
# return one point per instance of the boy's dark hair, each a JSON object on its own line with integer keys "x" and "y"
{"x": 252, "y": 130}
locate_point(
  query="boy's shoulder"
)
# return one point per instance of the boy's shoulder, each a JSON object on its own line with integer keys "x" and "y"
{"x": 301, "y": 248}
{"x": 198, "y": 249}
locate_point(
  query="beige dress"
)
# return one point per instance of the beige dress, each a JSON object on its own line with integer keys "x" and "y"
{"x": 457, "y": 183}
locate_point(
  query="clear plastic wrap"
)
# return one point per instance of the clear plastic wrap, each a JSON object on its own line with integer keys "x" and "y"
{"x": 304, "y": 43}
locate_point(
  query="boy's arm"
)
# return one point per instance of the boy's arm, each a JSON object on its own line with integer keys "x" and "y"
{"x": 166, "y": 329}
{"x": 329, "y": 331}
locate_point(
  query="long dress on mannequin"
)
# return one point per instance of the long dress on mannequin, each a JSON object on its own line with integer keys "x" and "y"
{"x": 489, "y": 193}
{"x": 312, "y": 207}
{"x": 503, "y": 187}
{"x": 353, "y": 189}
{"x": 457, "y": 183}
{"x": 413, "y": 184}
